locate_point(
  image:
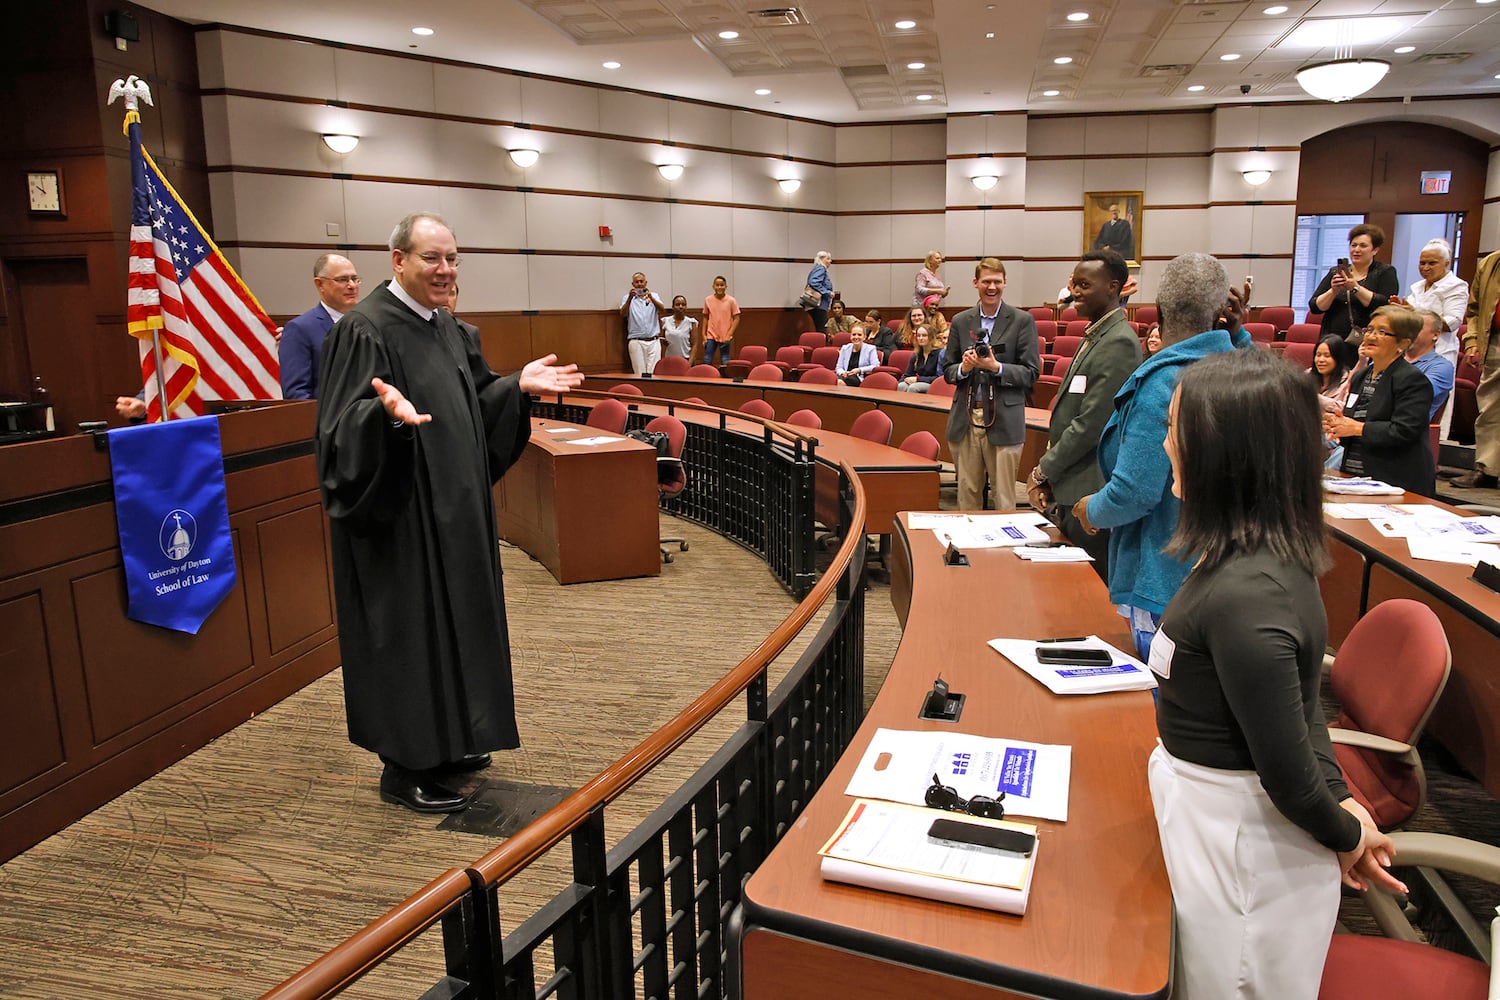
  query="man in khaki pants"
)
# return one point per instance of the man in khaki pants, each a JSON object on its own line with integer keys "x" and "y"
{"x": 1482, "y": 349}
{"x": 992, "y": 358}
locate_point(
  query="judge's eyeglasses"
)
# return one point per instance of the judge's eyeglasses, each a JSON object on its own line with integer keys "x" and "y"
{"x": 941, "y": 796}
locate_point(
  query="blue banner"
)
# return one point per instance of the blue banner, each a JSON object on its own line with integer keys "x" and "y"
{"x": 173, "y": 520}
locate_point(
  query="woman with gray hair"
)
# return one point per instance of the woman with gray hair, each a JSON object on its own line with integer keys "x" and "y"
{"x": 1441, "y": 291}
{"x": 1136, "y": 500}
{"x": 819, "y": 281}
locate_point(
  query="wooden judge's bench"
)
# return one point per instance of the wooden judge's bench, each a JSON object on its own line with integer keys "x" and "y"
{"x": 94, "y": 702}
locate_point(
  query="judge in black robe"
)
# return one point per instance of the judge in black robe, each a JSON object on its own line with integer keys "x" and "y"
{"x": 413, "y": 431}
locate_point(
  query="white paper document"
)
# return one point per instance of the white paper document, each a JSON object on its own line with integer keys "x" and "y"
{"x": 1361, "y": 487}
{"x": 883, "y": 845}
{"x": 1059, "y": 554}
{"x": 595, "y": 441}
{"x": 992, "y": 531}
{"x": 899, "y": 764}
{"x": 561, "y": 430}
{"x": 1442, "y": 550}
{"x": 1124, "y": 673}
{"x": 918, "y": 522}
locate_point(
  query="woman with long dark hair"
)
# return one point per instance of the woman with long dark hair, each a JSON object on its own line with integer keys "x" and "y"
{"x": 1257, "y": 826}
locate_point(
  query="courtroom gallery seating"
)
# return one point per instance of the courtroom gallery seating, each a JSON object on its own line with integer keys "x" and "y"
{"x": 806, "y": 418}
{"x": 704, "y": 371}
{"x": 627, "y": 388}
{"x": 1046, "y": 333}
{"x": 754, "y": 354}
{"x": 609, "y": 415}
{"x": 922, "y": 444}
{"x": 1300, "y": 355}
{"x": 811, "y": 341}
{"x": 1280, "y": 317}
{"x": 1303, "y": 333}
{"x": 1077, "y": 328}
{"x": 822, "y": 357}
{"x": 818, "y": 375}
{"x": 672, "y": 365}
{"x": 1147, "y": 315}
{"x": 788, "y": 358}
{"x": 759, "y": 408}
{"x": 765, "y": 372}
{"x": 671, "y": 477}
{"x": 840, "y": 339}
{"x": 872, "y": 425}
{"x": 899, "y": 360}
{"x": 1042, "y": 314}
{"x": 941, "y": 387}
{"x": 1261, "y": 333}
{"x": 879, "y": 380}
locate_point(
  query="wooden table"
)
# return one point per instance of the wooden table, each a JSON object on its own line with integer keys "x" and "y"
{"x": 1370, "y": 568}
{"x": 585, "y": 512}
{"x": 1099, "y": 923}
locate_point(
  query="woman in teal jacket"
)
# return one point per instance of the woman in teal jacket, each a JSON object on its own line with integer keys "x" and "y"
{"x": 1136, "y": 501}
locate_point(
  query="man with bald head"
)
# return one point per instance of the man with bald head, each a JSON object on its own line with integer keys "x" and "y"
{"x": 301, "y": 345}
{"x": 414, "y": 429}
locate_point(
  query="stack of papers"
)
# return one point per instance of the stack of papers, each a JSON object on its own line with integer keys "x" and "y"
{"x": 886, "y": 846}
{"x": 1124, "y": 673}
{"x": 898, "y": 766}
{"x": 1431, "y": 532}
{"x": 982, "y": 531}
{"x": 1361, "y": 487}
{"x": 598, "y": 439}
{"x": 1060, "y": 553}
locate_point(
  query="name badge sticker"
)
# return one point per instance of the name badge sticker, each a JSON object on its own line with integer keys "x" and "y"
{"x": 1080, "y": 383}
{"x": 1162, "y": 651}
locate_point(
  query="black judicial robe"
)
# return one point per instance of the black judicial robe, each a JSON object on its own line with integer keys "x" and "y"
{"x": 416, "y": 571}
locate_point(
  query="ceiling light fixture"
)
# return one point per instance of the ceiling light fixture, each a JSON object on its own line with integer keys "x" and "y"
{"x": 523, "y": 158}
{"x": 916, "y": 65}
{"x": 341, "y": 144}
{"x": 1062, "y": 60}
{"x": 984, "y": 181}
{"x": 1051, "y": 93}
{"x": 1197, "y": 88}
{"x": 789, "y": 184}
{"x": 1229, "y": 57}
{"x": 1077, "y": 16}
{"x": 669, "y": 171}
{"x": 1402, "y": 50}
{"x": 424, "y": 32}
{"x": 906, "y": 25}
{"x": 762, "y": 91}
{"x": 611, "y": 65}
{"x": 1273, "y": 11}
{"x": 729, "y": 36}
{"x": 1342, "y": 79}
{"x": 924, "y": 97}
{"x": 1255, "y": 178}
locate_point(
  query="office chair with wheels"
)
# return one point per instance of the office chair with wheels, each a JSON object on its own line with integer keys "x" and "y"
{"x": 671, "y": 477}
{"x": 608, "y": 415}
{"x": 1412, "y": 961}
{"x": 1387, "y": 676}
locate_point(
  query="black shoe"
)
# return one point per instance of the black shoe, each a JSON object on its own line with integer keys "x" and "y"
{"x": 468, "y": 762}
{"x": 1478, "y": 479}
{"x": 418, "y": 792}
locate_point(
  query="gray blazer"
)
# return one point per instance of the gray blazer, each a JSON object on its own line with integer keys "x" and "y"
{"x": 1013, "y": 341}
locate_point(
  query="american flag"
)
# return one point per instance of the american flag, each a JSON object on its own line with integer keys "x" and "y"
{"x": 216, "y": 340}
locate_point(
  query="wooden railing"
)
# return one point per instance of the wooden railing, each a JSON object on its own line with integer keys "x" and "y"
{"x": 689, "y": 858}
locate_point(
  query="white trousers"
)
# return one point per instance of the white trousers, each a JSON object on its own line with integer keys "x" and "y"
{"x": 644, "y": 354}
{"x": 1256, "y": 897}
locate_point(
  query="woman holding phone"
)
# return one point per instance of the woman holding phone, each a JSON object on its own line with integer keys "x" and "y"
{"x": 1356, "y": 286}
{"x": 1257, "y": 826}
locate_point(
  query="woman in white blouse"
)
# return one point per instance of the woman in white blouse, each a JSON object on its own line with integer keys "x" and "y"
{"x": 1441, "y": 291}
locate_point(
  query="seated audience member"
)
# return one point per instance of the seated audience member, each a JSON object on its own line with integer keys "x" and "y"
{"x": 856, "y": 358}
{"x": 1136, "y": 501}
{"x": 1245, "y": 787}
{"x": 838, "y": 320}
{"x": 883, "y": 339}
{"x": 936, "y": 321}
{"x": 925, "y": 366}
{"x": 1333, "y": 359}
{"x": 1384, "y": 424}
{"x": 939, "y": 335}
{"x": 1153, "y": 340}
{"x": 1425, "y": 358}
{"x": 681, "y": 331}
{"x": 915, "y": 316}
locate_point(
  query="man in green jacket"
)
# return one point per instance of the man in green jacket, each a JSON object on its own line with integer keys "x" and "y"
{"x": 1110, "y": 351}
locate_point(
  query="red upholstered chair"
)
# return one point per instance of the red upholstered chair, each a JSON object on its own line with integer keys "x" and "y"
{"x": 1076, "y": 328}
{"x": 1066, "y": 345}
{"x": 755, "y": 354}
{"x": 1261, "y": 333}
{"x": 704, "y": 371}
{"x": 765, "y": 372}
{"x": 922, "y": 444}
{"x": 1067, "y": 316}
{"x": 672, "y": 365}
{"x": 806, "y": 418}
{"x": 941, "y": 387}
{"x": 1280, "y": 317}
{"x": 788, "y": 358}
{"x": 759, "y": 408}
{"x": 1044, "y": 391}
{"x": 899, "y": 360}
{"x": 1043, "y": 314}
{"x": 1147, "y": 315}
{"x": 811, "y": 341}
{"x": 1046, "y": 332}
{"x": 1387, "y": 676}
{"x": 840, "y": 339}
{"x": 608, "y": 415}
{"x": 822, "y": 357}
{"x": 872, "y": 425}
{"x": 695, "y": 401}
{"x": 818, "y": 375}
{"x": 1465, "y": 404}
{"x": 879, "y": 380}
{"x": 737, "y": 369}
{"x": 670, "y": 475}
{"x": 627, "y": 389}
{"x": 1300, "y": 355}
{"x": 1400, "y": 966}
{"x": 1304, "y": 333}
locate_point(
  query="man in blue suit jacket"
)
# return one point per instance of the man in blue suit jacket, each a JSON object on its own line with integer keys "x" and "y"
{"x": 301, "y": 347}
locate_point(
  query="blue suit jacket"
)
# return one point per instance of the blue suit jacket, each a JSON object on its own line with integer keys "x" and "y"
{"x": 301, "y": 351}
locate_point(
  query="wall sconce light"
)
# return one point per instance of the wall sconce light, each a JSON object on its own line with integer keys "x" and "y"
{"x": 790, "y": 184}
{"x": 341, "y": 144}
{"x": 523, "y": 158}
{"x": 1255, "y": 178}
{"x": 984, "y": 181}
{"x": 669, "y": 171}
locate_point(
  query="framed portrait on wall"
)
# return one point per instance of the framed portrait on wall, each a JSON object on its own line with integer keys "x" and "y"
{"x": 1113, "y": 219}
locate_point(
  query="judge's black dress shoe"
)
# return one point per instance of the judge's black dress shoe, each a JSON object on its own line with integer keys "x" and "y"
{"x": 417, "y": 791}
{"x": 468, "y": 762}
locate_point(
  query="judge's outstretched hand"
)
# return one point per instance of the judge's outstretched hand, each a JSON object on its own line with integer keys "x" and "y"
{"x": 397, "y": 405}
{"x": 542, "y": 375}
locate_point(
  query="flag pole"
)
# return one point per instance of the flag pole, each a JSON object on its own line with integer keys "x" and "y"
{"x": 161, "y": 381}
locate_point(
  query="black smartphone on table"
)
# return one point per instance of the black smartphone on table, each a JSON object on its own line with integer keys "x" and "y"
{"x": 996, "y": 838}
{"x": 1083, "y": 656}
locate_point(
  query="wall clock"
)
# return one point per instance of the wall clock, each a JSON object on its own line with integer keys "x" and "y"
{"x": 44, "y": 192}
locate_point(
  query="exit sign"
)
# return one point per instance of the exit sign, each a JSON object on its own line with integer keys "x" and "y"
{"x": 1436, "y": 181}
